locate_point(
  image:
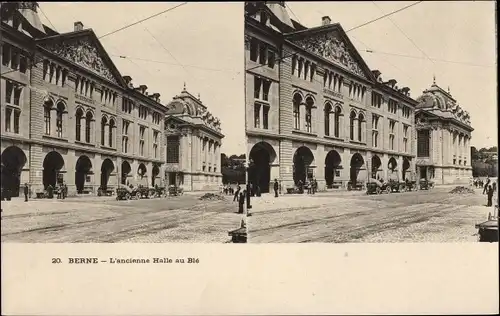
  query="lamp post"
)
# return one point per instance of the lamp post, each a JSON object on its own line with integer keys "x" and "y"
{"x": 247, "y": 169}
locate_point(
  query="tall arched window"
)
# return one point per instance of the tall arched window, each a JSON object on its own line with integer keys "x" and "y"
{"x": 78, "y": 118}
{"x": 337, "y": 114}
{"x": 47, "y": 107}
{"x": 361, "y": 119}
{"x": 309, "y": 106}
{"x": 88, "y": 127}
{"x": 352, "y": 119}
{"x": 297, "y": 100}
{"x": 328, "y": 110}
{"x": 59, "y": 119}
{"x": 104, "y": 122}
{"x": 111, "y": 127}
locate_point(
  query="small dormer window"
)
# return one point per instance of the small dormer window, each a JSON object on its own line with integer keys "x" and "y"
{"x": 16, "y": 22}
{"x": 264, "y": 17}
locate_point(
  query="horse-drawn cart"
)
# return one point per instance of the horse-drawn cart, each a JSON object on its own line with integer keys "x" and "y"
{"x": 175, "y": 190}
{"x": 374, "y": 186}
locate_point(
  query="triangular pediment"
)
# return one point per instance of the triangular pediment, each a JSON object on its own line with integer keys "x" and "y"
{"x": 332, "y": 44}
{"x": 84, "y": 49}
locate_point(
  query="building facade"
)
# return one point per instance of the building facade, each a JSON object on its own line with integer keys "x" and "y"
{"x": 315, "y": 110}
{"x": 68, "y": 115}
{"x": 443, "y": 137}
{"x": 193, "y": 140}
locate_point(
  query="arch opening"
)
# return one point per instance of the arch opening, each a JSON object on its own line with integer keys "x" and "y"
{"x": 261, "y": 157}
{"x": 406, "y": 168}
{"x": 156, "y": 172}
{"x": 13, "y": 160}
{"x": 83, "y": 168}
{"x": 376, "y": 164}
{"x": 357, "y": 163}
{"x": 107, "y": 168}
{"x": 302, "y": 161}
{"x": 125, "y": 172}
{"x": 52, "y": 166}
{"x": 332, "y": 163}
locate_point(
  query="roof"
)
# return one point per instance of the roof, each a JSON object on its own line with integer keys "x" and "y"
{"x": 84, "y": 49}
{"x": 331, "y": 43}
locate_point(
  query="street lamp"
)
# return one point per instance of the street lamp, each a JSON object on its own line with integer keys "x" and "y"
{"x": 247, "y": 173}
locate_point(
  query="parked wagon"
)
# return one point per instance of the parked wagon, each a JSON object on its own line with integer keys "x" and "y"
{"x": 407, "y": 186}
{"x": 124, "y": 193}
{"x": 175, "y": 190}
{"x": 374, "y": 186}
{"x": 357, "y": 185}
{"x": 158, "y": 192}
{"x": 425, "y": 184}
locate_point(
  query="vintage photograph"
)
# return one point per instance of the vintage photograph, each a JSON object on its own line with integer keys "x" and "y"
{"x": 122, "y": 122}
{"x": 371, "y": 121}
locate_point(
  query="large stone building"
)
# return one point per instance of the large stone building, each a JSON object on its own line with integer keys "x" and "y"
{"x": 443, "y": 136}
{"x": 315, "y": 110}
{"x": 68, "y": 115}
{"x": 193, "y": 138}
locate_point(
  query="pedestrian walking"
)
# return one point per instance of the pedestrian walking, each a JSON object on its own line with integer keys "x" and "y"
{"x": 65, "y": 191}
{"x": 50, "y": 191}
{"x": 490, "y": 196}
{"x": 485, "y": 188}
{"x": 26, "y": 192}
{"x": 241, "y": 201}
{"x": 237, "y": 193}
{"x": 276, "y": 187}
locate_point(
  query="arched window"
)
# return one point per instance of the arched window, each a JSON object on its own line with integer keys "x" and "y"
{"x": 337, "y": 114}
{"x": 352, "y": 118}
{"x": 111, "y": 126}
{"x": 59, "y": 119}
{"x": 104, "y": 122}
{"x": 78, "y": 118}
{"x": 88, "y": 126}
{"x": 309, "y": 106}
{"x": 361, "y": 119}
{"x": 328, "y": 110}
{"x": 297, "y": 100}
{"x": 47, "y": 107}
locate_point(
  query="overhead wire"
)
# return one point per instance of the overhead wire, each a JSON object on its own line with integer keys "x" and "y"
{"x": 143, "y": 20}
{"x": 405, "y": 35}
{"x": 168, "y": 52}
{"x": 433, "y": 59}
{"x": 354, "y": 28}
{"x": 47, "y": 18}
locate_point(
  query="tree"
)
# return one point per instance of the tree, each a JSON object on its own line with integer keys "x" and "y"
{"x": 474, "y": 154}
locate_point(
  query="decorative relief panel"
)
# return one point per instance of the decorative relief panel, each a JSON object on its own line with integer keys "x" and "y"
{"x": 332, "y": 48}
{"x": 83, "y": 53}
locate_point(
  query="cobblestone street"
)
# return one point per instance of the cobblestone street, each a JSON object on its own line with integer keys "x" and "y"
{"x": 103, "y": 219}
{"x": 339, "y": 217}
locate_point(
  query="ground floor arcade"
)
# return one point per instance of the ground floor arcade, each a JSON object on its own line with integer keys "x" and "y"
{"x": 445, "y": 174}
{"x": 83, "y": 172}
{"x": 331, "y": 166}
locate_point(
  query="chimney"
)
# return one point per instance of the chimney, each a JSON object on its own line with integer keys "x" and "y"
{"x": 78, "y": 26}
{"x": 326, "y": 20}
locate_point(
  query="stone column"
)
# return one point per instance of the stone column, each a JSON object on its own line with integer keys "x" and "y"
{"x": 342, "y": 126}
{"x": 53, "y": 122}
{"x": 331, "y": 125}
{"x": 355, "y": 128}
{"x": 302, "y": 114}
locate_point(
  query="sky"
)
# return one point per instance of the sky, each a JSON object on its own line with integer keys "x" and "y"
{"x": 207, "y": 38}
{"x": 456, "y": 31}
{"x": 200, "y": 44}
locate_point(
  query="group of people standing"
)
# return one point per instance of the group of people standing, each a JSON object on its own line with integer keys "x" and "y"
{"x": 489, "y": 188}
{"x": 312, "y": 186}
